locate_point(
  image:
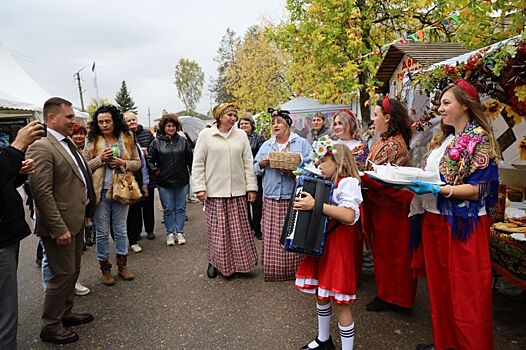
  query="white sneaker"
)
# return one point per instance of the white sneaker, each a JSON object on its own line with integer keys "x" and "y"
{"x": 180, "y": 239}
{"x": 170, "y": 240}
{"x": 136, "y": 248}
{"x": 81, "y": 290}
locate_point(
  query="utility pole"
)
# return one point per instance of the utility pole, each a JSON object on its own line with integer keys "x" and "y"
{"x": 149, "y": 123}
{"x": 77, "y": 76}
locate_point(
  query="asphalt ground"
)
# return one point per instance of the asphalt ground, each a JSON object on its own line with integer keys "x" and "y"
{"x": 172, "y": 304}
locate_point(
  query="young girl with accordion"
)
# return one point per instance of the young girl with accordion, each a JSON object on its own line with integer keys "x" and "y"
{"x": 332, "y": 277}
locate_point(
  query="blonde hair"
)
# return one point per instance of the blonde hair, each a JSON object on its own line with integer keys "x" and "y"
{"x": 128, "y": 114}
{"x": 475, "y": 112}
{"x": 345, "y": 163}
{"x": 354, "y": 127}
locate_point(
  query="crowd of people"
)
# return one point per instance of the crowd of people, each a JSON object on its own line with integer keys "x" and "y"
{"x": 440, "y": 231}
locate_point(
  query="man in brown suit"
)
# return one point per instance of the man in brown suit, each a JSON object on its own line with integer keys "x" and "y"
{"x": 64, "y": 197}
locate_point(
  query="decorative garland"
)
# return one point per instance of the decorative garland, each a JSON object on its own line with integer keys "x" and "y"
{"x": 500, "y": 74}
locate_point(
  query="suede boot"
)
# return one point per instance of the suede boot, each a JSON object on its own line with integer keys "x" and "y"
{"x": 123, "y": 269}
{"x": 107, "y": 277}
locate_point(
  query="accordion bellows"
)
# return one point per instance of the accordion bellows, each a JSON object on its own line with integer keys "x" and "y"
{"x": 304, "y": 231}
{"x": 284, "y": 160}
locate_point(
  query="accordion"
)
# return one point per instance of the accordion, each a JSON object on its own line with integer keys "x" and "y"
{"x": 304, "y": 231}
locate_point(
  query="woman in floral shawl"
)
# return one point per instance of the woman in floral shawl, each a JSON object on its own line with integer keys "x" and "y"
{"x": 386, "y": 210}
{"x": 455, "y": 225}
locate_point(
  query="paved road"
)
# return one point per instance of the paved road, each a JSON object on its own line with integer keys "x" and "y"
{"x": 173, "y": 305}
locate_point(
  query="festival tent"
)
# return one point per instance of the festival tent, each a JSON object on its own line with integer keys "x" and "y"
{"x": 20, "y": 96}
{"x": 303, "y": 108}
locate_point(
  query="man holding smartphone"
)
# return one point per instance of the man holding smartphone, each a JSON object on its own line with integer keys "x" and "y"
{"x": 63, "y": 191}
{"x": 14, "y": 227}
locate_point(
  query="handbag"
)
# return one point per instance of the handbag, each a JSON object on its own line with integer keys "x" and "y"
{"x": 125, "y": 187}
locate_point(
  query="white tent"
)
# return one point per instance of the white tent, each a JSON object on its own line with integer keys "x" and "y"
{"x": 303, "y": 104}
{"x": 20, "y": 95}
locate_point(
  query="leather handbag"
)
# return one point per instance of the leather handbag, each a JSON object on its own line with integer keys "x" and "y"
{"x": 125, "y": 187}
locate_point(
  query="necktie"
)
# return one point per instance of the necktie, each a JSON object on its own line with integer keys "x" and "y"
{"x": 80, "y": 162}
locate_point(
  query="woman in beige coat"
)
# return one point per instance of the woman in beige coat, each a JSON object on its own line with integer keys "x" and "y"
{"x": 223, "y": 178}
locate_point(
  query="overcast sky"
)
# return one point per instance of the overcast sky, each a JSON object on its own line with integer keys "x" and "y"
{"x": 139, "y": 41}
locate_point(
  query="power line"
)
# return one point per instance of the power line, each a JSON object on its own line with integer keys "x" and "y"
{"x": 40, "y": 62}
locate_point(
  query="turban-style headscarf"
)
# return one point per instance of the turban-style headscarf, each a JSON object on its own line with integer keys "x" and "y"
{"x": 223, "y": 108}
{"x": 281, "y": 113}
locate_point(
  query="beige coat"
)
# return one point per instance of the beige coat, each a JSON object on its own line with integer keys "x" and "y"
{"x": 93, "y": 151}
{"x": 58, "y": 189}
{"x": 222, "y": 167}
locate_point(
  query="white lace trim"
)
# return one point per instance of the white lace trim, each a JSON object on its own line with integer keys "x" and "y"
{"x": 310, "y": 286}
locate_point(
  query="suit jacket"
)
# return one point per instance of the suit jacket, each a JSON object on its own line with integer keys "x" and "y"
{"x": 58, "y": 189}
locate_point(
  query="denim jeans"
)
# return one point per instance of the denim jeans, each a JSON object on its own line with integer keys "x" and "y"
{"x": 46, "y": 270}
{"x": 174, "y": 205}
{"x": 118, "y": 213}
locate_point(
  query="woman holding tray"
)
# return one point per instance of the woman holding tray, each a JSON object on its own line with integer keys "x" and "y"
{"x": 278, "y": 188}
{"x": 223, "y": 178}
{"x": 346, "y": 130}
{"x": 386, "y": 211}
{"x": 455, "y": 227}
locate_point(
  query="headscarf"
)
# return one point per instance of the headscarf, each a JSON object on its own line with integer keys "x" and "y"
{"x": 223, "y": 108}
{"x": 281, "y": 113}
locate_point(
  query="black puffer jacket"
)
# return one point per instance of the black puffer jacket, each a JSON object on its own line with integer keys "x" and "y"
{"x": 144, "y": 137}
{"x": 171, "y": 160}
{"x": 13, "y": 226}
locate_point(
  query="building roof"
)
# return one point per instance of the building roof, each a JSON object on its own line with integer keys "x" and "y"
{"x": 423, "y": 53}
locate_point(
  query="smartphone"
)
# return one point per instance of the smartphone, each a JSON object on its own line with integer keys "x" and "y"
{"x": 44, "y": 132}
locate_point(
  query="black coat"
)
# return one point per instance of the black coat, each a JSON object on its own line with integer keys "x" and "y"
{"x": 144, "y": 138}
{"x": 13, "y": 226}
{"x": 171, "y": 160}
{"x": 256, "y": 140}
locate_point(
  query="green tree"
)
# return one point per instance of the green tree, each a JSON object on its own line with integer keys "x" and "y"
{"x": 95, "y": 104}
{"x": 226, "y": 58}
{"x": 326, "y": 40}
{"x": 257, "y": 77}
{"x": 123, "y": 99}
{"x": 189, "y": 80}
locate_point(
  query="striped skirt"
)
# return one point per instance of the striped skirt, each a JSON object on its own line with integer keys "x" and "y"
{"x": 278, "y": 265}
{"x": 231, "y": 246}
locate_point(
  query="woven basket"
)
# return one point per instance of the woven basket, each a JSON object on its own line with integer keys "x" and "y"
{"x": 284, "y": 160}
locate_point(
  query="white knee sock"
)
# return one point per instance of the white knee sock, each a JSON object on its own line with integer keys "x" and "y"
{"x": 324, "y": 321}
{"x": 347, "y": 336}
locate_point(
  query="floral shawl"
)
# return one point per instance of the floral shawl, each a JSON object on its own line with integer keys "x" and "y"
{"x": 360, "y": 154}
{"x": 391, "y": 150}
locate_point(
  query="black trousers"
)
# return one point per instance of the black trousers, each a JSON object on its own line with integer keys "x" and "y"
{"x": 257, "y": 208}
{"x": 137, "y": 214}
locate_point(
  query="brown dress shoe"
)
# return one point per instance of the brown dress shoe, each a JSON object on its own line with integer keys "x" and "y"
{"x": 77, "y": 319}
{"x": 58, "y": 336}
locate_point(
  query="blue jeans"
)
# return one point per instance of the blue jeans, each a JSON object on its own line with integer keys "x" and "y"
{"x": 174, "y": 205}
{"x": 46, "y": 270}
{"x": 115, "y": 213}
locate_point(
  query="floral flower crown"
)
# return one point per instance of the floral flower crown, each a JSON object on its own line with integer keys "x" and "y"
{"x": 323, "y": 146}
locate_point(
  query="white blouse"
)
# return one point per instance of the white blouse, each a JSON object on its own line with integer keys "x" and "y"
{"x": 348, "y": 194}
{"x": 352, "y": 144}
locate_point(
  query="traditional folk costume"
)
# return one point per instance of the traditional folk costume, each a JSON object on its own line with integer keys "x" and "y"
{"x": 278, "y": 189}
{"x": 359, "y": 150}
{"x": 333, "y": 275}
{"x": 222, "y": 167}
{"x": 453, "y": 244}
{"x": 387, "y": 224}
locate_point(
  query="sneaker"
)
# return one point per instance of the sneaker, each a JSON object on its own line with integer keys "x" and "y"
{"x": 81, "y": 290}
{"x": 136, "y": 248}
{"x": 170, "y": 239}
{"x": 180, "y": 239}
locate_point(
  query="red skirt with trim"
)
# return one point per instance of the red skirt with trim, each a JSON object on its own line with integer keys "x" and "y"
{"x": 333, "y": 275}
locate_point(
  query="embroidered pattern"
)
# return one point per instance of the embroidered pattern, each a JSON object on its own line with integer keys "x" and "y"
{"x": 391, "y": 150}
{"x": 467, "y": 152}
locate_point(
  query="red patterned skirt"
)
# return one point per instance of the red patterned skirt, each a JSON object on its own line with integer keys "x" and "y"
{"x": 278, "y": 265}
{"x": 231, "y": 246}
{"x": 333, "y": 275}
